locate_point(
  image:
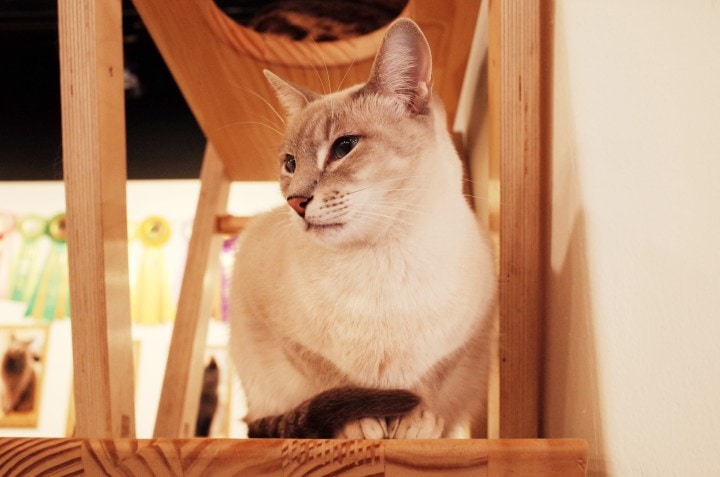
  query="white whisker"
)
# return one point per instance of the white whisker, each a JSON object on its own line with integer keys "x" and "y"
{"x": 397, "y": 202}
{"x": 398, "y": 190}
{"x": 268, "y": 121}
{"x": 399, "y": 178}
{"x": 327, "y": 72}
{"x": 382, "y": 181}
{"x": 389, "y": 217}
{"x": 317, "y": 72}
{"x": 238, "y": 123}
{"x": 369, "y": 222}
{"x": 346, "y": 73}
{"x": 259, "y": 96}
{"x": 359, "y": 190}
{"x": 480, "y": 197}
{"x": 394, "y": 207}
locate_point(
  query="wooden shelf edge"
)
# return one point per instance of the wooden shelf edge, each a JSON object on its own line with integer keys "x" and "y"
{"x": 280, "y": 457}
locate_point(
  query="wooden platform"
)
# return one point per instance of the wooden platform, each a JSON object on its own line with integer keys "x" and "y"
{"x": 277, "y": 457}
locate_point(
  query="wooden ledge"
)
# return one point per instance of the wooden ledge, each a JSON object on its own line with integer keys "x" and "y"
{"x": 230, "y": 224}
{"x": 278, "y": 457}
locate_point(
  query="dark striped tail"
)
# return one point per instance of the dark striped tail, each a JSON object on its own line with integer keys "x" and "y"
{"x": 322, "y": 416}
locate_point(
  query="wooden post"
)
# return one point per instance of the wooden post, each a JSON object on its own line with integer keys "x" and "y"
{"x": 515, "y": 84}
{"x": 93, "y": 122}
{"x": 180, "y": 396}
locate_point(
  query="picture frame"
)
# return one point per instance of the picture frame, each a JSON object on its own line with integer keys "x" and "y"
{"x": 23, "y": 362}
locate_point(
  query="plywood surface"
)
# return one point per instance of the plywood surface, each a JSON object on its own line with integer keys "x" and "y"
{"x": 517, "y": 144}
{"x": 249, "y": 458}
{"x": 218, "y": 66}
{"x": 93, "y": 124}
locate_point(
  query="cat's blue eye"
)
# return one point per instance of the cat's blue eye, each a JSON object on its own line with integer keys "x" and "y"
{"x": 343, "y": 145}
{"x": 289, "y": 163}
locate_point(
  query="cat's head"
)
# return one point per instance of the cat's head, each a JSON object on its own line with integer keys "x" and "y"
{"x": 17, "y": 356}
{"x": 360, "y": 163}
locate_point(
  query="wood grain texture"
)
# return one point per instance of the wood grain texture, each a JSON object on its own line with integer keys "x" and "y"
{"x": 218, "y": 66}
{"x": 284, "y": 458}
{"x": 515, "y": 54}
{"x": 231, "y": 224}
{"x": 93, "y": 124}
{"x": 180, "y": 396}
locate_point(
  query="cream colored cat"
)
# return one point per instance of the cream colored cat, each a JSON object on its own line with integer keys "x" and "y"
{"x": 376, "y": 275}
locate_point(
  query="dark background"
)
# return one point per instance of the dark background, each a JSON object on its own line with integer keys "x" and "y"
{"x": 163, "y": 139}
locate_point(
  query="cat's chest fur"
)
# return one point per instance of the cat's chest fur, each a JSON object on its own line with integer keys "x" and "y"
{"x": 383, "y": 315}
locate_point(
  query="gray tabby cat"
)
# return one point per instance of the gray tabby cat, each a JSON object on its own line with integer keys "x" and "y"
{"x": 377, "y": 276}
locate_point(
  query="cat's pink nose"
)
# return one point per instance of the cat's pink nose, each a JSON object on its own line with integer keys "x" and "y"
{"x": 299, "y": 204}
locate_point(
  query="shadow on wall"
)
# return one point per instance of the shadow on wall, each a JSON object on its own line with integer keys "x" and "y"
{"x": 572, "y": 398}
{"x": 572, "y": 405}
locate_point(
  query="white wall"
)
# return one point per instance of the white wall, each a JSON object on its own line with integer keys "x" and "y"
{"x": 633, "y": 363}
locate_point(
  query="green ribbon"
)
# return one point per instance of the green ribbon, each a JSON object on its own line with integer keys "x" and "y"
{"x": 24, "y": 271}
{"x": 51, "y": 298}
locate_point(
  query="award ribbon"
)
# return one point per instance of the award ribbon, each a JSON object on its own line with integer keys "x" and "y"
{"x": 51, "y": 298}
{"x": 25, "y": 271}
{"x": 151, "y": 298}
{"x": 227, "y": 259}
{"x": 7, "y": 225}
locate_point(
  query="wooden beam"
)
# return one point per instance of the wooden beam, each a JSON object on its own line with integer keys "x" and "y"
{"x": 310, "y": 457}
{"x": 180, "y": 396}
{"x": 93, "y": 124}
{"x": 231, "y": 224}
{"x": 515, "y": 84}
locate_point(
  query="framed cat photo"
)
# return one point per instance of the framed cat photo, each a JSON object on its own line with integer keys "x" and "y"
{"x": 23, "y": 355}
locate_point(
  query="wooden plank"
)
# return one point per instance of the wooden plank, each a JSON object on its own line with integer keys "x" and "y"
{"x": 180, "y": 396}
{"x": 93, "y": 123}
{"x": 515, "y": 143}
{"x": 230, "y": 224}
{"x": 276, "y": 457}
{"x": 218, "y": 66}
{"x": 538, "y": 457}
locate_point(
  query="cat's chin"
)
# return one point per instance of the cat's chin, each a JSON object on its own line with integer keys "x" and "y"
{"x": 323, "y": 228}
{"x": 333, "y": 234}
{"x": 326, "y": 233}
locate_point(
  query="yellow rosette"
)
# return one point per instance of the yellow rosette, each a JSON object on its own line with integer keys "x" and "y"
{"x": 151, "y": 298}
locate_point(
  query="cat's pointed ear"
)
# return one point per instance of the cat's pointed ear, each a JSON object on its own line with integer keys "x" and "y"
{"x": 403, "y": 66}
{"x": 292, "y": 97}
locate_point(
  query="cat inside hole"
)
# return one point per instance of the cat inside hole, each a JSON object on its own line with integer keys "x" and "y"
{"x": 361, "y": 309}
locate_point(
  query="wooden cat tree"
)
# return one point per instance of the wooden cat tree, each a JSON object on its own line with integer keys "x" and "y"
{"x": 218, "y": 66}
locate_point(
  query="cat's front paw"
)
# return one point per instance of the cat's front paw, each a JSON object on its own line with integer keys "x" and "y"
{"x": 365, "y": 428}
{"x": 418, "y": 424}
